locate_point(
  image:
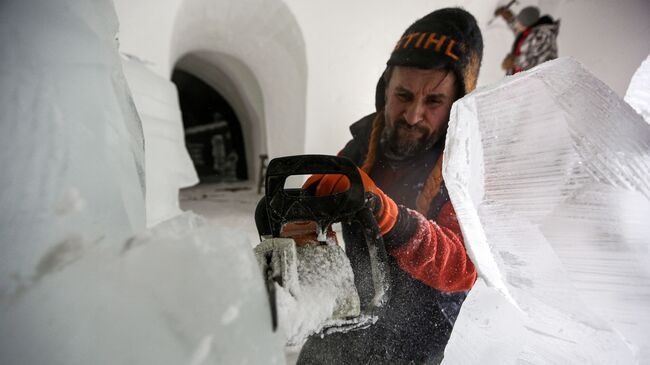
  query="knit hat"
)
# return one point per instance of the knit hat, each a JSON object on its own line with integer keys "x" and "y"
{"x": 528, "y": 16}
{"x": 446, "y": 38}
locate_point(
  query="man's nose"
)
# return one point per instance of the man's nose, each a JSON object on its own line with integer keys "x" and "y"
{"x": 414, "y": 113}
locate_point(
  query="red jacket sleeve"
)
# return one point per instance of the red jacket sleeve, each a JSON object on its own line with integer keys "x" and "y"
{"x": 436, "y": 254}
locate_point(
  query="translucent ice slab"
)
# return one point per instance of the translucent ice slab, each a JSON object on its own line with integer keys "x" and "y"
{"x": 549, "y": 172}
{"x": 638, "y": 92}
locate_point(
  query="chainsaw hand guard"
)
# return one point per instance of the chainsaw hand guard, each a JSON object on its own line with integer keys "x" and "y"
{"x": 280, "y": 206}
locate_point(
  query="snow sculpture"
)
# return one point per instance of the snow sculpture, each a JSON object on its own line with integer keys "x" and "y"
{"x": 71, "y": 143}
{"x": 168, "y": 165}
{"x": 73, "y": 289}
{"x": 638, "y": 92}
{"x": 549, "y": 172}
{"x": 185, "y": 292}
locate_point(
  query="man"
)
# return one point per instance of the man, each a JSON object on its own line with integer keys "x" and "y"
{"x": 399, "y": 149}
{"x": 535, "y": 42}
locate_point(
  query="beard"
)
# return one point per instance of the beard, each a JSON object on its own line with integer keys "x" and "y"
{"x": 401, "y": 141}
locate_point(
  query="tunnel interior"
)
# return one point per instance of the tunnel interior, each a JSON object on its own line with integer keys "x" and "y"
{"x": 213, "y": 133}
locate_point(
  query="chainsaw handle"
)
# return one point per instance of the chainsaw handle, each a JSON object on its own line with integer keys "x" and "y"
{"x": 285, "y": 205}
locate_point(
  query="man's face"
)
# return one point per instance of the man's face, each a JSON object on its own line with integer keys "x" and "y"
{"x": 417, "y": 109}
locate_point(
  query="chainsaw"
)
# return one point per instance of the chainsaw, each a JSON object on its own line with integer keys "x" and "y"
{"x": 310, "y": 282}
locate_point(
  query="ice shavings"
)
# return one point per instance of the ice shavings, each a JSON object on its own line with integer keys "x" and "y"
{"x": 549, "y": 173}
{"x": 316, "y": 290}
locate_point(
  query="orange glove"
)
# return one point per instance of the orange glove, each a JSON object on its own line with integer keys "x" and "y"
{"x": 330, "y": 184}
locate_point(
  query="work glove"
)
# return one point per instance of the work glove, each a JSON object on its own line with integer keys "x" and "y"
{"x": 385, "y": 211}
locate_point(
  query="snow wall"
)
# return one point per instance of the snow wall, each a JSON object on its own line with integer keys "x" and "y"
{"x": 332, "y": 53}
{"x": 253, "y": 53}
{"x": 549, "y": 174}
{"x": 168, "y": 166}
{"x": 72, "y": 157}
{"x": 76, "y": 285}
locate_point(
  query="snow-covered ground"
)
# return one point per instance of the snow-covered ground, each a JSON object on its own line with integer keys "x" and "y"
{"x": 229, "y": 205}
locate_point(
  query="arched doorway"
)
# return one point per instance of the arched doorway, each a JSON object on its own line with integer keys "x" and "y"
{"x": 254, "y": 54}
{"x": 213, "y": 133}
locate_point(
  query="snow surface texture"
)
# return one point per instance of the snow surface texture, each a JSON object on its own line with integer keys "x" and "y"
{"x": 317, "y": 288}
{"x": 73, "y": 288}
{"x": 549, "y": 172}
{"x": 71, "y": 143}
{"x": 638, "y": 93}
{"x": 167, "y": 164}
{"x": 225, "y": 204}
{"x": 185, "y": 292}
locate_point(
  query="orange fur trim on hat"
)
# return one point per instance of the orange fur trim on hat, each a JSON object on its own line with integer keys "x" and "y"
{"x": 431, "y": 188}
{"x": 471, "y": 72}
{"x": 377, "y": 128}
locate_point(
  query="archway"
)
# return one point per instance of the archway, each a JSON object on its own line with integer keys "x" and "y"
{"x": 213, "y": 133}
{"x": 258, "y": 65}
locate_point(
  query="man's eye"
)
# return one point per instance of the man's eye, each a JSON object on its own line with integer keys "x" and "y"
{"x": 403, "y": 96}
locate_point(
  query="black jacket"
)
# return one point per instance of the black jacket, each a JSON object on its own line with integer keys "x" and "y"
{"x": 417, "y": 321}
